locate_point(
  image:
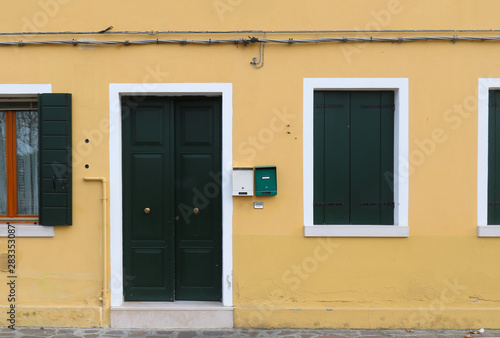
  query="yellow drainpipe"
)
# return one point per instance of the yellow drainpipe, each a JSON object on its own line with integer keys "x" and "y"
{"x": 104, "y": 295}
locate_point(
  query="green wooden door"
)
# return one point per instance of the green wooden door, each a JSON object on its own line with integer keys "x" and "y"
{"x": 172, "y": 209}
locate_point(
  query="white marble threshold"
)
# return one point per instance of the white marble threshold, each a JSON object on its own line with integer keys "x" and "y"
{"x": 172, "y": 315}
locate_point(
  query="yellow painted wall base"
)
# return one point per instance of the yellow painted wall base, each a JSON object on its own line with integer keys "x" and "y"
{"x": 367, "y": 318}
{"x": 60, "y": 316}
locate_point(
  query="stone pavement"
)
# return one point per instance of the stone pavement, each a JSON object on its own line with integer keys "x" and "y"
{"x": 32, "y": 332}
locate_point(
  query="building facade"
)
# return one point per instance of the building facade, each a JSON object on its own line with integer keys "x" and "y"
{"x": 363, "y": 135}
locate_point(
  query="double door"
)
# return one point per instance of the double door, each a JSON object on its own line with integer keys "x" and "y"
{"x": 172, "y": 200}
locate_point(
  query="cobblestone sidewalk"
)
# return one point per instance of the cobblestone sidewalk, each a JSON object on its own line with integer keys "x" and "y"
{"x": 280, "y": 333}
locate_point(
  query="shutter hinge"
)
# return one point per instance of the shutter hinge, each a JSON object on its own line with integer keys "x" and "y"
{"x": 328, "y": 204}
{"x": 64, "y": 182}
{"x": 369, "y": 204}
{"x": 328, "y": 106}
{"x": 377, "y": 106}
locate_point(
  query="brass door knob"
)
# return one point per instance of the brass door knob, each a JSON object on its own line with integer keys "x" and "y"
{"x": 196, "y": 211}
{"x": 147, "y": 211}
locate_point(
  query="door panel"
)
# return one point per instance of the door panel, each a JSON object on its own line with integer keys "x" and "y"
{"x": 196, "y": 125}
{"x": 148, "y": 275}
{"x": 147, "y": 184}
{"x": 148, "y": 239}
{"x": 198, "y": 235}
{"x": 148, "y": 126}
{"x": 193, "y": 180}
{"x": 202, "y": 259}
{"x": 171, "y": 159}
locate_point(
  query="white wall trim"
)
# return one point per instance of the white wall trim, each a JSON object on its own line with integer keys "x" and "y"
{"x": 484, "y": 86}
{"x": 400, "y": 87}
{"x": 488, "y": 231}
{"x": 115, "y": 161}
{"x": 26, "y": 229}
{"x": 25, "y": 89}
{"x": 355, "y": 231}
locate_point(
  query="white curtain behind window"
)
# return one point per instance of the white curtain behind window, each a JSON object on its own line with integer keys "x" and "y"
{"x": 27, "y": 162}
{"x": 3, "y": 165}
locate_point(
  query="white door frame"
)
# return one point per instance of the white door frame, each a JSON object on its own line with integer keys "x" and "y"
{"x": 116, "y": 90}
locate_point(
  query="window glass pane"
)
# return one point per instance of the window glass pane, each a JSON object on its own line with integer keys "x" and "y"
{"x": 3, "y": 165}
{"x": 27, "y": 162}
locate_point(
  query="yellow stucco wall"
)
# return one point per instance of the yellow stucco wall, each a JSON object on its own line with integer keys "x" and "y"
{"x": 442, "y": 276}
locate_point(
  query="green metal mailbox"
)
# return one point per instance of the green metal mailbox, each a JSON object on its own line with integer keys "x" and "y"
{"x": 265, "y": 181}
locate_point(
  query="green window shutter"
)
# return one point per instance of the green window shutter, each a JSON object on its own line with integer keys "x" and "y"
{"x": 353, "y": 157}
{"x": 387, "y": 158}
{"x": 319, "y": 158}
{"x": 372, "y": 139}
{"x": 493, "y": 158}
{"x": 337, "y": 135}
{"x": 55, "y": 199}
{"x": 365, "y": 156}
{"x": 331, "y": 158}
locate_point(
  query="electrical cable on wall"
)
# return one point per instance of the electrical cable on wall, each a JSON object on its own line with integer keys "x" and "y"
{"x": 256, "y": 62}
{"x": 247, "y": 41}
{"x": 259, "y": 63}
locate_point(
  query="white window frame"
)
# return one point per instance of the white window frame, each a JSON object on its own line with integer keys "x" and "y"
{"x": 400, "y": 88}
{"x": 26, "y": 229}
{"x": 484, "y": 87}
